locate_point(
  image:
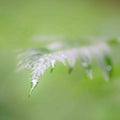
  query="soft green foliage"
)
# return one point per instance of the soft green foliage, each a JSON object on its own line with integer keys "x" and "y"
{"x": 58, "y": 96}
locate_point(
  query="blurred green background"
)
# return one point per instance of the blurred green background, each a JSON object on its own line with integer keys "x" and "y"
{"x": 58, "y": 96}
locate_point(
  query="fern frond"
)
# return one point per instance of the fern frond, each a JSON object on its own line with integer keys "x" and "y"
{"x": 39, "y": 60}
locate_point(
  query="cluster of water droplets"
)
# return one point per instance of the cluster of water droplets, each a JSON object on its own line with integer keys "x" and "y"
{"x": 39, "y": 63}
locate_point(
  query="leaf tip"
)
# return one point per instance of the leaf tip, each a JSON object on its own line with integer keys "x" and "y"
{"x": 70, "y": 70}
{"x": 33, "y": 85}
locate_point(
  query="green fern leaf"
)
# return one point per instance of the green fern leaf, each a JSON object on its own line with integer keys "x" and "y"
{"x": 39, "y": 60}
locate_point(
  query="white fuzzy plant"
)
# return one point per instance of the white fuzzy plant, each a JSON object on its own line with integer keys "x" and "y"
{"x": 39, "y": 60}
